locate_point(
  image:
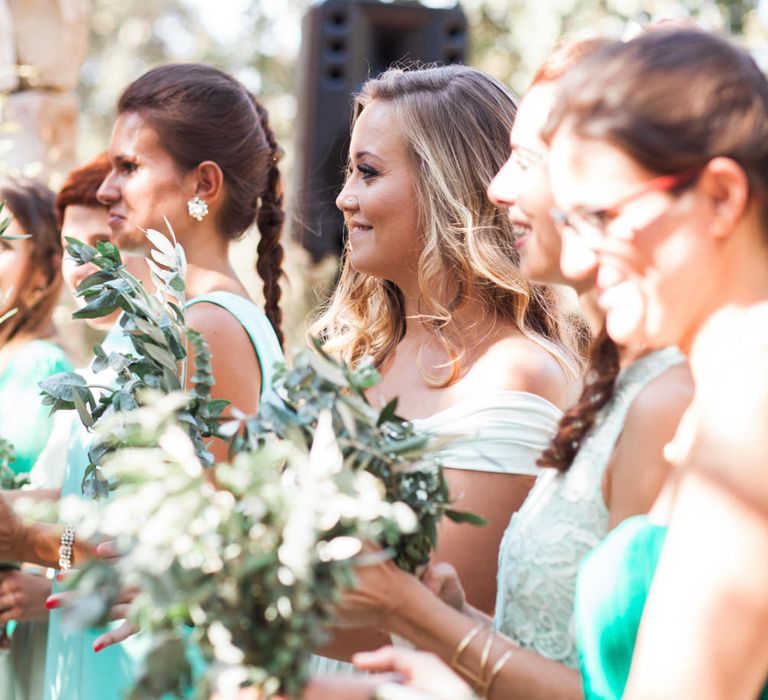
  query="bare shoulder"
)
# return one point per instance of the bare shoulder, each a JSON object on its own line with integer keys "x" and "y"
{"x": 638, "y": 468}
{"x": 218, "y": 325}
{"x": 729, "y": 443}
{"x": 516, "y": 363}
{"x": 233, "y": 358}
{"x": 662, "y": 400}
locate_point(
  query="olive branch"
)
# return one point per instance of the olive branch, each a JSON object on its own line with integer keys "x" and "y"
{"x": 156, "y": 326}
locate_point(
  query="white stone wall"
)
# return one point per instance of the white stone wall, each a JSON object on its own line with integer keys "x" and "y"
{"x": 42, "y": 46}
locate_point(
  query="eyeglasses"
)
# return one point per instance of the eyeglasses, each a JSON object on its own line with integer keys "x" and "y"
{"x": 525, "y": 158}
{"x": 592, "y": 225}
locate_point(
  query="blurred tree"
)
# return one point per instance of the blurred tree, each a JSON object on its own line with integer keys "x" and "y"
{"x": 258, "y": 41}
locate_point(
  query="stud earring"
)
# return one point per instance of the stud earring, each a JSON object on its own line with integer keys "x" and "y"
{"x": 197, "y": 208}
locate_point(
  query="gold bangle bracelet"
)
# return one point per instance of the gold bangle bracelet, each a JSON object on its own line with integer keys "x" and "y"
{"x": 465, "y": 642}
{"x": 486, "y": 653}
{"x": 500, "y": 663}
{"x": 456, "y": 665}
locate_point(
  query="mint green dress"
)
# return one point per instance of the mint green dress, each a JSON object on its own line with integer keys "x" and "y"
{"x": 26, "y": 423}
{"x": 611, "y": 591}
{"x": 73, "y": 671}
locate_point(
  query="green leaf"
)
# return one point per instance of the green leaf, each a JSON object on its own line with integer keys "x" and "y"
{"x": 100, "y": 361}
{"x": 109, "y": 251}
{"x": 388, "y": 413}
{"x": 123, "y": 401}
{"x": 103, "y": 304}
{"x": 162, "y": 356}
{"x": 63, "y": 385}
{"x": 93, "y": 280}
{"x": 462, "y": 516}
{"x": 177, "y": 284}
{"x": 216, "y": 406}
{"x": 82, "y": 411}
{"x": 80, "y": 252}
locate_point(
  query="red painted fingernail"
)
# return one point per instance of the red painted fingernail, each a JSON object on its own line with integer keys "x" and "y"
{"x": 60, "y": 576}
{"x": 98, "y": 647}
{"x": 52, "y": 603}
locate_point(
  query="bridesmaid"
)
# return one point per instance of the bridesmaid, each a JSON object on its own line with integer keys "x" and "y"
{"x": 430, "y": 289}
{"x": 171, "y": 159}
{"x": 30, "y": 282}
{"x": 659, "y": 159}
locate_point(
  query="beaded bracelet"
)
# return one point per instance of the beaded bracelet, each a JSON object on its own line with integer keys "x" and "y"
{"x": 65, "y": 548}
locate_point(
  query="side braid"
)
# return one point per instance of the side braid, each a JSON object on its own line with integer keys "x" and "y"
{"x": 270, "y": 220}
{"x": 577, "y": 421}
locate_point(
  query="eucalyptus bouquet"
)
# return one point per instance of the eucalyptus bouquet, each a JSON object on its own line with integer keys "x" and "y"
{"x": 156, "y": 326}
{"x": 374, "y": 440}
{"x": 254, "y": 563}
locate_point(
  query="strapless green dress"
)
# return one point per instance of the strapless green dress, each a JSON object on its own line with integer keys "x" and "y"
{"x": 611, "y": 591}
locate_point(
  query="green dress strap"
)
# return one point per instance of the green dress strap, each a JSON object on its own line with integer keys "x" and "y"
{"x": 259, "y": 329}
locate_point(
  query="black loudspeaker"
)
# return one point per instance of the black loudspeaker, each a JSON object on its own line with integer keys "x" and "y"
{"x": 344, "y": 42}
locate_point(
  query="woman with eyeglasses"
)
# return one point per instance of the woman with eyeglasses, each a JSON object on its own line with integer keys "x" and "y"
{"x": 659, "y": 157}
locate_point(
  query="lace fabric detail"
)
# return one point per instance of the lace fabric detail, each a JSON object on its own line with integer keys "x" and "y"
{"x": 564, "y": 518}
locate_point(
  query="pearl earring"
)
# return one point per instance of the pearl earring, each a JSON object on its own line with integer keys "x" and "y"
{"x": 197, "y": 208}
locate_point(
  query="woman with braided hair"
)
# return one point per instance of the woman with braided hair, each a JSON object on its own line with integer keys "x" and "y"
{"x": 190, "y": 146}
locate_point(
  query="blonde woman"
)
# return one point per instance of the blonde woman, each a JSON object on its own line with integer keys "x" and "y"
{"x": 430, "y": 289}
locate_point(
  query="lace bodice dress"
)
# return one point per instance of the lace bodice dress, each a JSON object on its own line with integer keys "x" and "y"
{"x": 564, "y": 518}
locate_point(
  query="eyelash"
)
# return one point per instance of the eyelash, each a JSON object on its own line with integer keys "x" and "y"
{"x": 367, "y": 171}
{"x": 127, "y": 167}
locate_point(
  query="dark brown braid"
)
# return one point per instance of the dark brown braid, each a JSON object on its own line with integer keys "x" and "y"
{"x": 270, "y": 219}
{"x": 576, "y": 422}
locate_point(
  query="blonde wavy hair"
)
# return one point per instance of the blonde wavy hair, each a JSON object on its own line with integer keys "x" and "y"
{"x": 457, "y": 122}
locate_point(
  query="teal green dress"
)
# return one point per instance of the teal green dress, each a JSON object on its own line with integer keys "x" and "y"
{"x": 73, "y": 671}
{"x": 611, "y": 591}
{"x": 24, "y": 421}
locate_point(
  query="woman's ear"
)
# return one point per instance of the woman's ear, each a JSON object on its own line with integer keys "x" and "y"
{"x": 726, "y": 185}
{"x": 210, "y": 181}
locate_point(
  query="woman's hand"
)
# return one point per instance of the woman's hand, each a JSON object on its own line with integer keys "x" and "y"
{"x": 23, "y": 596}
{"x": 443, "y": 580}
{"x": 119, "y": 611}
{"x": 12, "y": 533}
{"x": 375, "y": 597}
{"x": 420, "y": 670}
